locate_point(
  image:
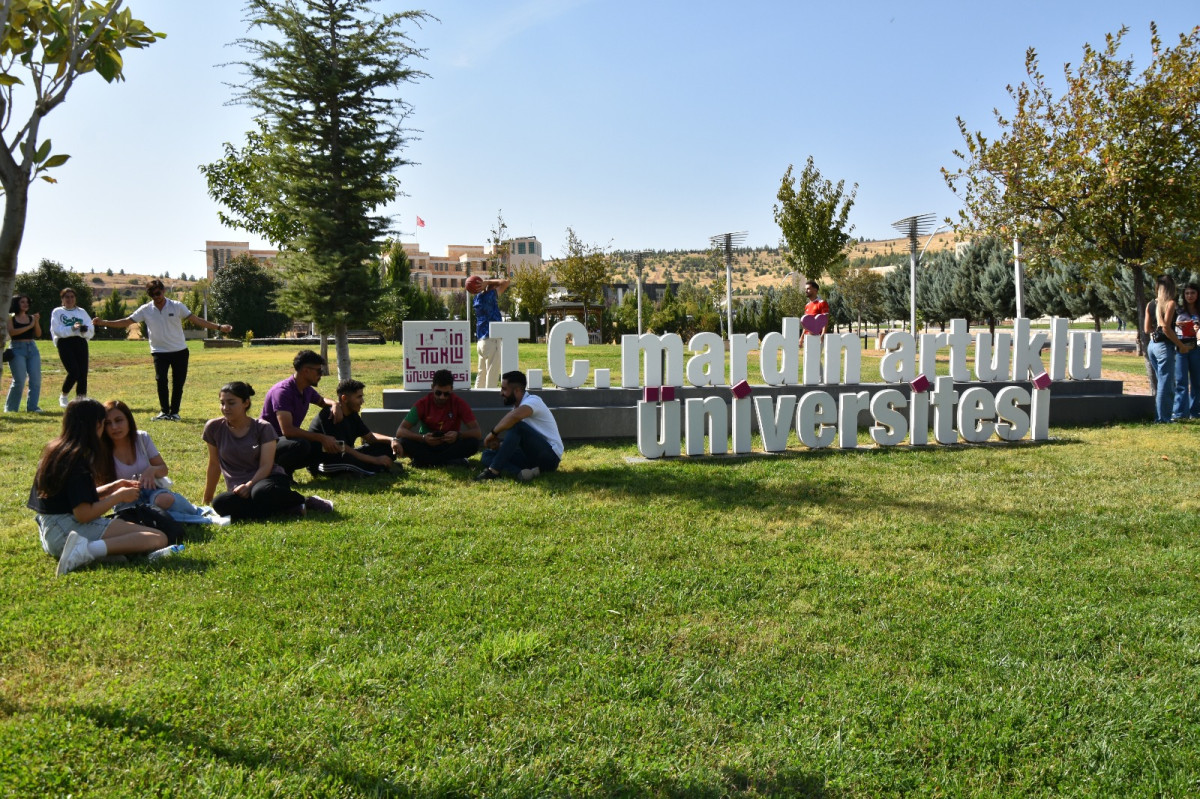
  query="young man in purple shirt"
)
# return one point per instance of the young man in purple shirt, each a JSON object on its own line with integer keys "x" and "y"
{"x": 284, "y": 409}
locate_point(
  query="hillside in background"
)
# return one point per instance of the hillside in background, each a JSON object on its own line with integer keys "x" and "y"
{"x": 755, "y": 269}
{"x": 130, "y": 286}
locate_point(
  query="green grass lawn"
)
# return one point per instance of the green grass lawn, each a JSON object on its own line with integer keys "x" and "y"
{"x": 944, "y": 621}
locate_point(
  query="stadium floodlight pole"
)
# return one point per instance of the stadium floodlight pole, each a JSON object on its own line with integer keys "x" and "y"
{"x": 726, "y": 242}
{"x": 913, "y": 227}
{"x": 639, "y": 259}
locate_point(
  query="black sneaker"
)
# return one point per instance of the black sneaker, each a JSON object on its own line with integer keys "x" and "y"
{"x": 487, "y": 474}
{"x": 162, "y": 417}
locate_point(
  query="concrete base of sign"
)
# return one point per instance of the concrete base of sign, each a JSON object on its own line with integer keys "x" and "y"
{"x": 611, "y": 414}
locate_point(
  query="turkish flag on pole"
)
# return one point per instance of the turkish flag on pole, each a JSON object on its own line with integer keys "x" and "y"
{"x": 420, "y": 222}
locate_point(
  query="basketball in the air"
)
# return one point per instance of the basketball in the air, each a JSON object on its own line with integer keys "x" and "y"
{"x": 474, "y": 284}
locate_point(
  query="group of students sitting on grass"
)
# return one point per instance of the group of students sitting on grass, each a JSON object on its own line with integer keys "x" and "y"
{"x": 101, "y": 462}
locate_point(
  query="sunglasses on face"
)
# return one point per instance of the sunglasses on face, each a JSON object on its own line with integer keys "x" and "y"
{"x": 446, "y": 393}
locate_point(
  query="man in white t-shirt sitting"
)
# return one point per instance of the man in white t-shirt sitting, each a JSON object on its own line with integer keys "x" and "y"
{"x": 531, "y": 443}
{"x": 164, "y": 318}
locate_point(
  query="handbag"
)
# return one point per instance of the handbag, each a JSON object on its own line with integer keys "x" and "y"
{"x": 151, "y": 516}
{"x": 159, "y": 482}
{"x": 9, "y": 354}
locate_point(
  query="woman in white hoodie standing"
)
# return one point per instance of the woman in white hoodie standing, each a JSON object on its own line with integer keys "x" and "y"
{"x": 71, "y": 328}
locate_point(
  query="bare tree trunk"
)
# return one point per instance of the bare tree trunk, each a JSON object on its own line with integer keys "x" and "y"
{"x": 16, "y": 202}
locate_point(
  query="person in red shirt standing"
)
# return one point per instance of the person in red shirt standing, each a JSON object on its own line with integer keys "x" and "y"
{"x": 815, "y": 305}
{"x": 440, "y": 428}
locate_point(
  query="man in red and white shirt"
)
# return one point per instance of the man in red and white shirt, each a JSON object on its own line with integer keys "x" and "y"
{"x": 440, "y": 429}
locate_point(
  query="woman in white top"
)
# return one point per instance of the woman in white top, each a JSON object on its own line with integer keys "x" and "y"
{"x": 134, "y": 457}
{"x": 71, "y": 328}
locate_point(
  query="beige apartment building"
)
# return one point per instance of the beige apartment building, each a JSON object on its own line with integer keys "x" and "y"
{"x": 443, "y": 273}
{"x": 449, "y": 272}
{"x": 219, "y": 253}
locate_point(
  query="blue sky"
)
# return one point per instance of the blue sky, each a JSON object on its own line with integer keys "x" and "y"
{"x": 643, "y": 125}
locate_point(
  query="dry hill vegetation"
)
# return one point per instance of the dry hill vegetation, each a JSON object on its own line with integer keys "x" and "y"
{"x": 756, "y": 269}
{"x": 131, "y": 286}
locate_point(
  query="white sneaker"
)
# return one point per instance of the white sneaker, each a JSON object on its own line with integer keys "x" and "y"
{"x": 173, "y": 549}
{"x": 75, "y": 554}
{"x": 525, "y": 475}
{"x": 63, "y": 400}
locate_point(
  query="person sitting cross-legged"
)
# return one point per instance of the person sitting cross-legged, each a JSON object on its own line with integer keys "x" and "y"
{"x": 440, "y": 428}
{"x": 375, "y": 454}
{"x": 285, "y": 407}
{"x": 242, "y": 450}
{"x": 531, "y": 443}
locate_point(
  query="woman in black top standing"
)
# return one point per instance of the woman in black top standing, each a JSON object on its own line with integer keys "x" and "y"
{"x": 24, "y": 329}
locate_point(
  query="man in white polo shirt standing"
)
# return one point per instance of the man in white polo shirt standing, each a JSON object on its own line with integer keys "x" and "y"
{"x": 164, "y": 320}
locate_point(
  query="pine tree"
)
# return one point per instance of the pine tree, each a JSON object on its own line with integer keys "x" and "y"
{"x": 323, "y": 76}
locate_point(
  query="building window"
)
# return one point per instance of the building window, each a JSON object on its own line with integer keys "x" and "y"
{"x": 520, "y": 248}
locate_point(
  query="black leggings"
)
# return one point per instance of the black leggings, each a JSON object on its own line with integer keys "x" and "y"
{"x": 177, "y": 362}
{"x": 73, "y": 352}
{"x": 269, "y": 496}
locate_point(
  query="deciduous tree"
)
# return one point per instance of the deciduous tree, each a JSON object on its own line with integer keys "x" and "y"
{"x": 243, "y": 294}
{"x": 862, "y": 290}
{"x": 813, "y": 216}
{"x": 530, "y": 290}
{"x": 1106, "y": 175}
{"x": 45, "y": 45}
{"x": 583, "y": 271}
{"x": 43, "y": 285}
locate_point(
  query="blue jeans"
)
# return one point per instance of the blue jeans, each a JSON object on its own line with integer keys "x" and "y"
{"x": 25, "y": 365}
{"x": 521, "y": 448}
{"x": 1162, "y": 355}
{"x": 181, "y": 509}
{"x": 1187, "y": 384}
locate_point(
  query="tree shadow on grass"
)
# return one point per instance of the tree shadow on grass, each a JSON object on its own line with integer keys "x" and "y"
{"x": 780, "y": 781}
{"x": 393, "y": 482}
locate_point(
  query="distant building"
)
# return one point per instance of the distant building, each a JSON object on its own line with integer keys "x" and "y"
{"x": 449, "y": 272}
{"x": 441, "y": 273}
{"x": 218, "y": 254}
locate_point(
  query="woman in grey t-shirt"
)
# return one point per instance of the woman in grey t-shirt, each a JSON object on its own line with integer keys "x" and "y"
{"x": 242, "y": 449}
